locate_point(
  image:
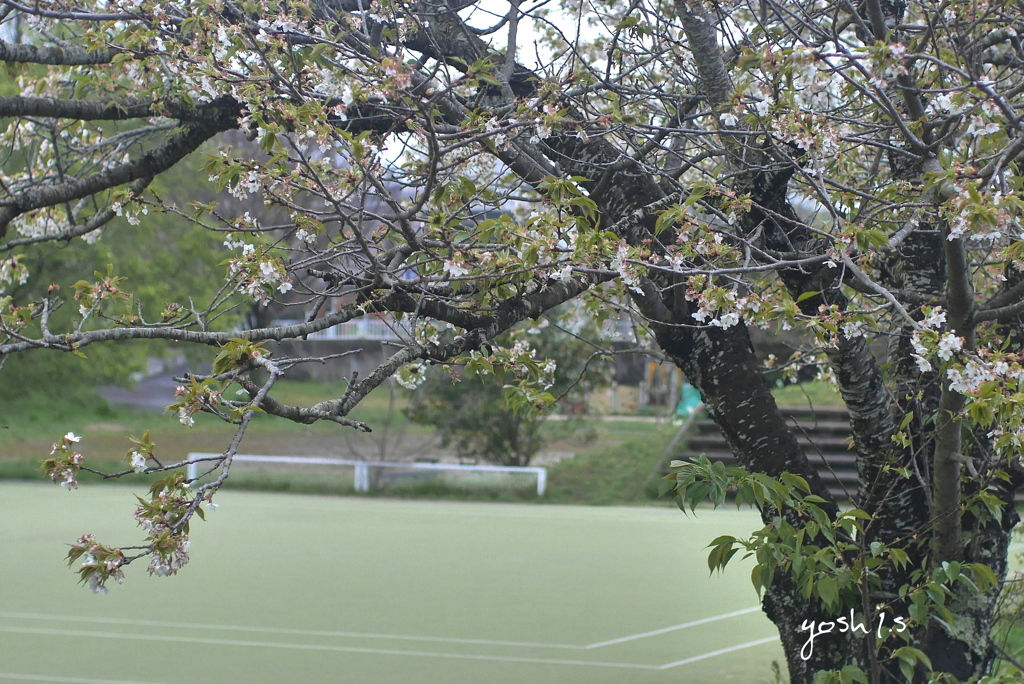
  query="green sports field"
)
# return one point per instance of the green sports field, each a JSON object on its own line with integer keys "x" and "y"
{"x": 288, "y": 588}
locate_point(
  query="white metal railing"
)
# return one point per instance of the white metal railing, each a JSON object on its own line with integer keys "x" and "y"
{"x": 362, "y": 468}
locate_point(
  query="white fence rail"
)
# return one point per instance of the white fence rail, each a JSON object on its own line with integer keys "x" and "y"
{"x": 362, "y": 468}
{"x": 359, "y": 329}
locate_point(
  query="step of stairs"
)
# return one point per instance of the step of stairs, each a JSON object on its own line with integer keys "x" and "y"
{"x": 824, "y": 434}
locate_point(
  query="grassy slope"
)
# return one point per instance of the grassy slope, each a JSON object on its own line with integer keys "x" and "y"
{"x": 612, "y": 465}
{"x": 808, "y": 394}
{"x": 614, "y": 474}
{"x": 613, "y": 459}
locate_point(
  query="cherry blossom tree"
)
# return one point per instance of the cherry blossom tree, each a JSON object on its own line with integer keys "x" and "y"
{"x": 848, "y": 169}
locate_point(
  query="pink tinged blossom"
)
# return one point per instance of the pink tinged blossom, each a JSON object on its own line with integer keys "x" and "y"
{"x": 72, "y": 437}
{"x": 138, "y": 462}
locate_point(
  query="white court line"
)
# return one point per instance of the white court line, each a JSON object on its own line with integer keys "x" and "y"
{"x": 348, "y": 649}
{"x": 317, "y": 647}
{"x": 665, "y": 630}
{"x": 68, "y": 680}
{"x": 721, "y": 651}
{"x": 372, "y": 635}
{"x": 282, "y": 630}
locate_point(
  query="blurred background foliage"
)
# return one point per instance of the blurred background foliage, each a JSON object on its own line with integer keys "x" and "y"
{"x": 469, "y": 409}
{"x": 164, "y": 259}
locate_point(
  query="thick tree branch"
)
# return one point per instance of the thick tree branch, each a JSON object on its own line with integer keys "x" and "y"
{"x": 186, "y": 141}
{"x": 53, "y": 55}
{"x": 91, "y": 110}
{"x": 947, "y": 532}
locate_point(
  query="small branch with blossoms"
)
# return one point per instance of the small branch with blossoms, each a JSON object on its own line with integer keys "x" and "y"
{"x": 164, "y": 516}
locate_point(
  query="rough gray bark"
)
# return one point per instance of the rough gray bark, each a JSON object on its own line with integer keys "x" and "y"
{"x": 54, "y": 55}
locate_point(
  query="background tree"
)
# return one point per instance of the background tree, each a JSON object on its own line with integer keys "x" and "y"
{"x": 848, "y": 169}
{"x": 468, "y": 406}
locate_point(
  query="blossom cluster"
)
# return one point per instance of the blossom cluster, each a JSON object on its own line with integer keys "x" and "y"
{"x": 411, "y": 375}
{"x": 65, "y": 462}
{"x": 140, "y": 453}
{"x": 976, "y": 372}
{"x": 163, "y": 518}
{"x": 170, "y": 554}
{"x": 90, "y": 296}
{"x": 99, "y": 563}
{"x": 193, "y": 398}
{"x": 520, "y": 361}
{"x": 12, "y": 271}
{"x": 629, "y": 272}
{"x": 980, "y": 214}
{"x": 257, "y": 272}
{"x": 927, "y": 341}
{"x": 718, "y": 306}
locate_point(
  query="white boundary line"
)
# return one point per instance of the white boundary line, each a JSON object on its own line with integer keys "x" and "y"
{"x": 346, "y": 649}
{"x": 665, "y": 630}
{"x": 373, "y": 635}
{"x": 69, "y": 680}
{"x": 318, "y": 647}
{"x": 721, "y": 651}
{"x": 283, "y": 630}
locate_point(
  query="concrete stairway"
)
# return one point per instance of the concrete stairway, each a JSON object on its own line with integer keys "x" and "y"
{"x": 824, "y": 433}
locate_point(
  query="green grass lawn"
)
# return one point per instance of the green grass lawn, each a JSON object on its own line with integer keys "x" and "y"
{"x": 817, "y": 393}
{"x": 286, "y": 588}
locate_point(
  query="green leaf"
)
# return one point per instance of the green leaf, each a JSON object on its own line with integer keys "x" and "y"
{"x": 852, "y": 673}
{"x": 983, "y": 575}
{"x": 795, "y": 482}
{"x": 627, "y": 22}
{"x": 755, "y": 578}
{"x": 828, "y": 591}
{"x": 899, "y": 557}
{"x": 909, "y": 657}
